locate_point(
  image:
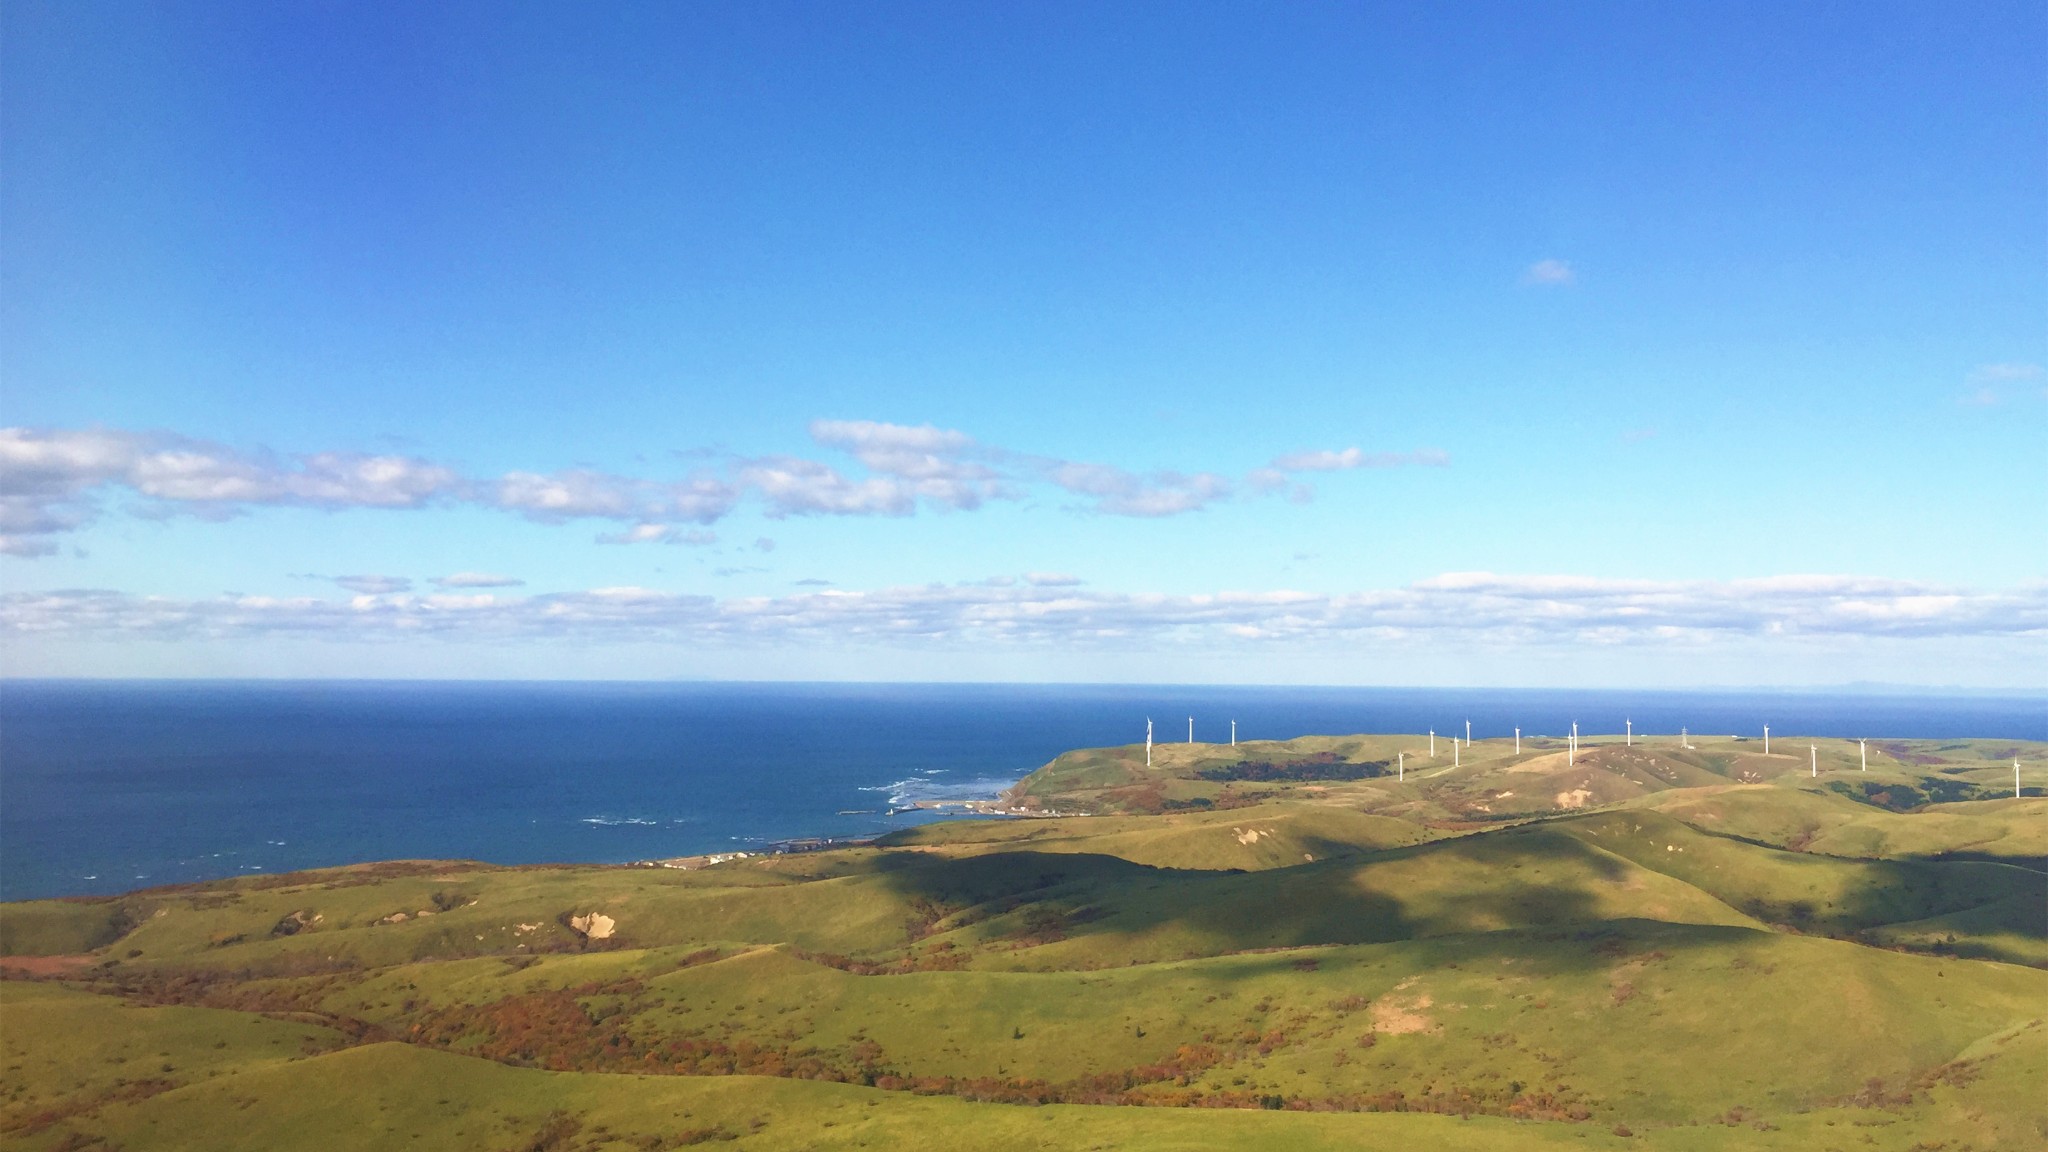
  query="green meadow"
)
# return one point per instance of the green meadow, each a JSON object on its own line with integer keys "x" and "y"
{"x": 1333, "y": 942}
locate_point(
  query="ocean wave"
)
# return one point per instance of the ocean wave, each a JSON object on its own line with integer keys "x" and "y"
{"x": 617, "y": 821}
{"x": 917, "y": 789}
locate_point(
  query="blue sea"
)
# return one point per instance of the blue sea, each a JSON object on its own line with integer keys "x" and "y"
{"x": 107, "y": 786}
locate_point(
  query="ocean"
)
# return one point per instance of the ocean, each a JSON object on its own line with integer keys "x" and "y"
{"x": 106, "y": 786}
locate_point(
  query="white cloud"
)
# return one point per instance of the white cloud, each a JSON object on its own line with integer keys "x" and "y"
{"x": 796, "y": 487}
{"x": 1490, "y": 608}
{"x": 1121, "y": 493}
{"x": 908, "y": 465}
{"x": 1325, "y": 460}
{"x": 2006, "y": 373}
{"x": 937, "y": 464}
{"x": 1992, "y": 381}
{"x": 48, "y": 478}
{"x": 950, "y": 469}
{"x": 1551, "y": 273}
{"x": 1051, "y": 580}
{"x": 54, "y": 481}
{"x": 476, "y": 580}
{"x": 373, "y": 585}
{"x": 573, "y": 494}
{"x": 581, "y": 493}
{"x": 27, "y": 547}
{"x": 660, "y": 534}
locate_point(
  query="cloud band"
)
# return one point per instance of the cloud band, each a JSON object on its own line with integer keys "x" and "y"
{"x": 1507, "y": 609}
{"x": 52, "y": 482}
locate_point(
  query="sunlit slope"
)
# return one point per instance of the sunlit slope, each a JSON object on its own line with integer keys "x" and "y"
{"x": 317, "y": 919}
{"x": 398, "y": 1096}
{"x": 1265, "y": 836}
{"x": 1830, "y": 823}
{"x": 1490, "y": 779}
{"x": 1458, "y": 1023}
{"x": 65, "y": 1050}
{"x": 1451, "y": 1016}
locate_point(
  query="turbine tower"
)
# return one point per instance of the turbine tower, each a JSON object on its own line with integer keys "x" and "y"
{"x": 1401, "y": 767}
{"x": 1148, "y": 741}
{"x": 1233, "y": 733}
{"x": 1813, "y": 756}
{"x": 1432, "y": 743}
{"x": 1468, "y": 733}
{"x": 1518, "y": 741}
{"x": 1191, "y": 729}
{"x": 1628, "y": 739}
{"x": 2015, "y": 777}
{"x": 1863, "y": 750}
{"x": 1684, "y": 741}
{"x": 1767, "y": 739}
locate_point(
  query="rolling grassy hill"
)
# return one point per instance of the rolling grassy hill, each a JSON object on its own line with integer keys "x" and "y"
{"x": 1276, "y": 946}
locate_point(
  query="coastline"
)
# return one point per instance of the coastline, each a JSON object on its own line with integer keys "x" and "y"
{"x": 999, "y": 808}
{"x": 505, "y": 772}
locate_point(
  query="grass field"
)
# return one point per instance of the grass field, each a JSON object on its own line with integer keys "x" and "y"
{"x": 1278, "y": 946}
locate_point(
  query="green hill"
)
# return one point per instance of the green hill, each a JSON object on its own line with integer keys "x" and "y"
{"x": 1639, "y": 946}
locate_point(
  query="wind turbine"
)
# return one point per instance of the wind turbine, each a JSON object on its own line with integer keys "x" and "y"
{"x": 1863, "y": 750}
{"x": 1148, "y": 741}
{"x": 1468, "y": 733}
{"x": 1813, "y": 755}
{"x": 1432, "y": 743}
{"x": 1628, "y": 739}
{"x": 1401, "y": 767}
{"x": 1767, "y": 739}
{"x": 1233, "y": 733}
{"x": 2015, "y": 777}
{"x": 1518, "y": 741}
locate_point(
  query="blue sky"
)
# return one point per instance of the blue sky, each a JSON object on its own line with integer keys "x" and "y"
{"x": 1455, "y": 344}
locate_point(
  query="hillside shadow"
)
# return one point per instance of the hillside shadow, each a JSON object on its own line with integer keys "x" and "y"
{"x": 1109, "y": 909}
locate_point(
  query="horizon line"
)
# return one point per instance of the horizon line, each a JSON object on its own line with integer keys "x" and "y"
{"x": 1856, "y": 688}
